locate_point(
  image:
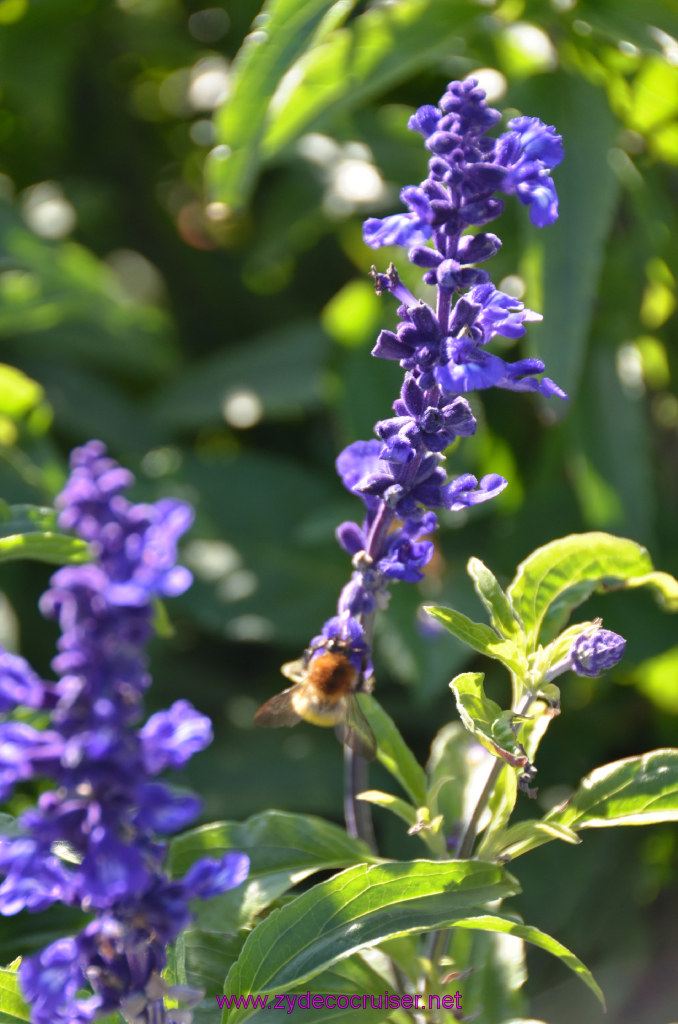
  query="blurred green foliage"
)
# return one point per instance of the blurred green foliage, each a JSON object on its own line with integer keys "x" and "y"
{"x": 182, "y": 275}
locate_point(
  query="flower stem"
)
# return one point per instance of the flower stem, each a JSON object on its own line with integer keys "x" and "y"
{"x": 357, "y": 812}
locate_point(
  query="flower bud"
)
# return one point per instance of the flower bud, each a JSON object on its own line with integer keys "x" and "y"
{"x": 593, "y": 653}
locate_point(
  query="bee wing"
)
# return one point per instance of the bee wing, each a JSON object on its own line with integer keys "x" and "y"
{"x": 277, "y": 711}
{"x": 356, "y": 732}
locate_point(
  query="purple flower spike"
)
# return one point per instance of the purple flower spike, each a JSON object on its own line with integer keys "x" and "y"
{"x": 104, "y": 805}
{"x": 442, "y": 345}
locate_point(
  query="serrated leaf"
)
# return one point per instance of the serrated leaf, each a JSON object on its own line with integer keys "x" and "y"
{"x": 559, "y": 576}
{"x": 356, "y": 909}
{"x": 495, "y": 600}
{"x": 283, "y": 850}
{"x": 393, "y": 752}
{"x": 480, "y": 637}
{"x": 495, "y": 923}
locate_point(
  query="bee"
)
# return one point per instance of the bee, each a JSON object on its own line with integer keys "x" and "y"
{"x": 324, "y": 693}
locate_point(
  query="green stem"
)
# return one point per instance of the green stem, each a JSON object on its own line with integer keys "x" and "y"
{"x": 439, "y": 939}
{"x": 357, "y": 812}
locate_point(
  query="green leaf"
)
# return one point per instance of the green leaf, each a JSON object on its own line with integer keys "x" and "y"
{"x": 500, "y": 805}
{"x": 480, "y": 637}
{"x": 497, "y": 980}
{"x": 282, "y": 369}
{"x": 338, "y": 71}
{"x": 18, "y": 393}
{"x": 639, "y": 790}
{"x": 456, "y": 775}
{"x": 201, "y": 959}
{"x": 558, "y": 577}
{"x": 620, "y": 21}
{"x": 382, "y": 46}
{"x": 54, "y": 548}
{"x": 406, "y": 812}
{"x": 74, "y": 305}
{"x": 29, "y": 531}
{"x": 418, "y": 819}
{"x": 654, "y": 95}
{"x": 485, "y": 719}
{"x": 12, "y": 1005}
{"x": 282, "y": 31}
{"x": 356, "y": 909}
{"x": 393, "y": 752}
{"x": 495, "y": 923}
{"x": 570, "y": 273}
{"x": 495, "y": 600}
{"x": 352, "y": 976}
{"x": 283, "y": 850}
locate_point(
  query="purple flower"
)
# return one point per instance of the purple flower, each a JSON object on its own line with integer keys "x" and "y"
{"x": 529, "y": 151}
{"x": 207, "y": 878}
{"x": 441, "y": 346}
{"x": 18, "y": 683}
{"x": 51, "y": 980}
{"x": 35, "y": 879}
{"x": 398, "y": 229}
{"x": 405, "y": 556}
{"x": 537, "y": 140}
{"x": 499, "y": 313}
{"x": 104, "y": 804}
{"x": 170, "y": 738}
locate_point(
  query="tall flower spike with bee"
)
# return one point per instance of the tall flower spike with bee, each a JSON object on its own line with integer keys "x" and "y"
{"x": 444, "y": 352}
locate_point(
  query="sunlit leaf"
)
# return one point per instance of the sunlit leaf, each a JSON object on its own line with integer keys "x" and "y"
{"x": 486, "y": 721}
{"x": 393, "y": 752}
{"x": 639, "y": 790}
{"x": 12, "y": 1005}
{"x": 28, "y": 531}
{"x": 18, "y": 393}
{"x": 283, "y": 850}
{"x": 382, "y": 46}
{"x": 282, "y": 31}
{"x": 480, "y": 637}
{"x": 558, "y": 577}
{"x": 357, "y": 909}
{"x": 495, "y": 600}
{"x": 494, "y": 923}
